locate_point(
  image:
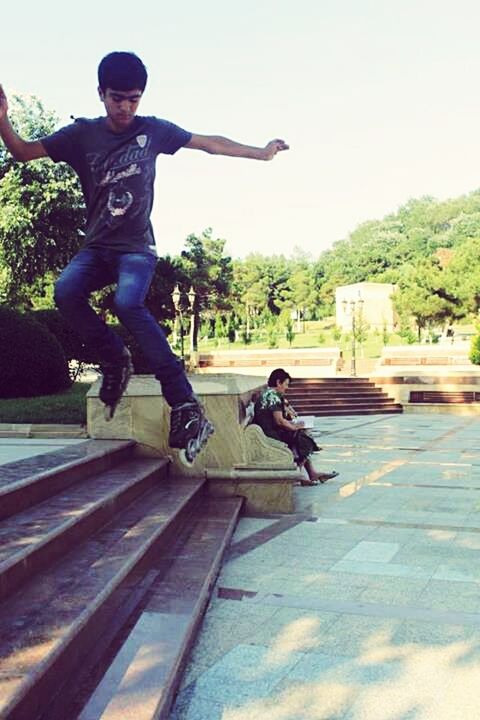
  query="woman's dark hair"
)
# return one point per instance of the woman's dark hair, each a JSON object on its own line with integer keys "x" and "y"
{"x": 278, "y": 375}
{"x": 122, "y": 71}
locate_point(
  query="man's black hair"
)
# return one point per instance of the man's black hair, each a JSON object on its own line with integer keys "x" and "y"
{"x": 278, "y": 375}
{"x": 122, "y": 71}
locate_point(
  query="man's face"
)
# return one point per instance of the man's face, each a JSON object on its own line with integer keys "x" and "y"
{"x": 121, "y": 106}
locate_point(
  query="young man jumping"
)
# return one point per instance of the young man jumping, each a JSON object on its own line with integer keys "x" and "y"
{"x": 114, "y": 157}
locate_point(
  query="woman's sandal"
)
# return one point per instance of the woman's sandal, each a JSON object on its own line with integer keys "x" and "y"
{"x": 323, "y": 477}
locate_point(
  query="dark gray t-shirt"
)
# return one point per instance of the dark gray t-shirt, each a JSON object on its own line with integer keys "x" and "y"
{"x": 117, "y": 172}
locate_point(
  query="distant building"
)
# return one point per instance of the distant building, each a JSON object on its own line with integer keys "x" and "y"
{"x": 376, "y": 308}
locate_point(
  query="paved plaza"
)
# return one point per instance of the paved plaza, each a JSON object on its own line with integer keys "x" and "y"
{"x": 366, "y": 603}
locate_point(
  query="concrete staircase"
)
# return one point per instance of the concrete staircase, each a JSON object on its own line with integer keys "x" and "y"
{"x": 106, "y": 566}
{"x": 339, "y": 396}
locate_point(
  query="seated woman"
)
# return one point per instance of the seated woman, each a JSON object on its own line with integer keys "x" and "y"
{"x": 276, "y": 418}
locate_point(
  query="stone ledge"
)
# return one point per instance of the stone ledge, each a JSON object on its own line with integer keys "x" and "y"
{"x": 441, "y": 408}
{"x": 264, "y": 491}
{"x": 144, "y": 416}
{"x": 42, "y": 430}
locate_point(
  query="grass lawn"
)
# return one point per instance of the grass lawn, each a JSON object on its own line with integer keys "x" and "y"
{"x": 318, "y": 334}
{"x": 66, "y": 407}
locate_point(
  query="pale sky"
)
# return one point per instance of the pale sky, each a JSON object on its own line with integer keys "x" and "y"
{"x": 378, "y": 100}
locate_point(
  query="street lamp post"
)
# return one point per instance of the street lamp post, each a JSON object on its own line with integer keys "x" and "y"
{"x": 176, "y": 296}
{"x": 354, "y": 305}
{"x": 191, "y": 301}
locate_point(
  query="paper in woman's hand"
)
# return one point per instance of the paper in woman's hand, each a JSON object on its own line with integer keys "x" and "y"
{"x": 307, "y": 420}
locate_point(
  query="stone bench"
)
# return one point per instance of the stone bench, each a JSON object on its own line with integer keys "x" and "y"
{"x": 238, "y": 460}
{"x": 442, "y": 396}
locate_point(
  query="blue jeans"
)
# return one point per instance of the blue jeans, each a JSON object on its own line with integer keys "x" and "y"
{"x": 92, "y": 269}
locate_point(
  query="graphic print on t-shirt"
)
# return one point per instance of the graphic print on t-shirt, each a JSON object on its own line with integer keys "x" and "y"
{"x": 122, "y": 178}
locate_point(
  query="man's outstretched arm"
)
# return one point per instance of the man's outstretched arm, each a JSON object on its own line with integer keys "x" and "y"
{"x": 217, "y": 145}
{"x": 20, "y": 149}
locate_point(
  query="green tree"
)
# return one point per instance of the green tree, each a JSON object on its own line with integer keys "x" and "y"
{"x": 220, "y": 330}
{"x": 300, "y": 294}
{"x": 337, "y": 333}
{"x": 41, "y": 212}
{"x": 475, "y": 350}
{"x": 289, "y": 332}
{"x": 231, "y": 328}
{"x": 462, "y": 276}
{"x": 422, "y": 297}
{"x": 209, "y": 271}
{"x": 258, "y": 286}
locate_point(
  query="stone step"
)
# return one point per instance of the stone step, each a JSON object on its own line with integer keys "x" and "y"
{"x": 50, "y": 626}
{"x": 25, "y": 483}
{"x": 334, "y": 392}
{"x": 331, "y": 388}
{"x": 337, "y": 379}
{"x": 361, "y": 411}
{"x": 298, "y": 403}
{"x": 339, "y": 396}
{"x": 36, "y": 537}
{"x": 335, "y": 402}
{"x": 333, "y": 382}
{"x": 334, "y": 397}
{"x": 138, "y": 675}
{"x": 343, "y": 401}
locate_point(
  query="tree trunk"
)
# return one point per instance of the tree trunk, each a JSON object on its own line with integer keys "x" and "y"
{"x": 299, "y": 320}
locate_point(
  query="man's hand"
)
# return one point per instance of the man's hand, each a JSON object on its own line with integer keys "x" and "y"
{"x": 20, "y": 149}
{"x": 3, "y": 104}
{"x": 273, "y": 147}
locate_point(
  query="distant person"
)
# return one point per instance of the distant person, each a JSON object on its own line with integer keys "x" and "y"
{"x": 277, "y": 419}
{"x": 114, "y": 156}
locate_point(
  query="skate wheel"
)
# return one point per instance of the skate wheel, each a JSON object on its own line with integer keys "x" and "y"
{"x": 184, "y": 458}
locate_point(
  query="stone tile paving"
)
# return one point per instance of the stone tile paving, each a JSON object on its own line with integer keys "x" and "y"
{"x": 15, "y": 449}
{"x": 22, "y": 459}
{"x": 367, "y": 605}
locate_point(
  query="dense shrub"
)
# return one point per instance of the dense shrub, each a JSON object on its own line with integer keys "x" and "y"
{"x": 75, "y": 349}
{"x": 32, "y": 361}
{"x": 72, "y": 344}
{"x": 475, "y": 350}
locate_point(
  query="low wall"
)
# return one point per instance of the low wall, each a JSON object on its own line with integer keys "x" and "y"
{"x": 430, "y": 378}
{"x": 399, "y": 385}
{"x": 302, "y": 362}
{"x": 435, "y": 355}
